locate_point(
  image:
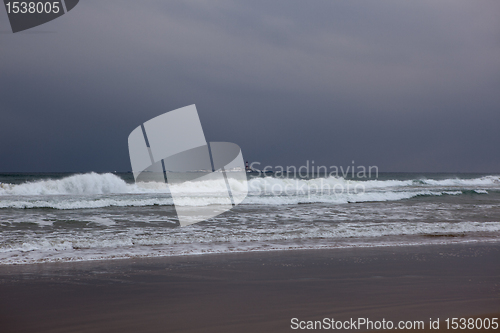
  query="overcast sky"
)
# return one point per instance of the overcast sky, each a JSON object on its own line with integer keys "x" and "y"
{"x": 403, "y": 85}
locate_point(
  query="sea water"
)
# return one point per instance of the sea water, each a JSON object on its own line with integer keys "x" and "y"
{"x": 47, "y": 217}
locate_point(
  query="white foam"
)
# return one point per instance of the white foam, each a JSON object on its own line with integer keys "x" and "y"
{"x": 90, "y": 183}
{"x": 486, "y": 180}
{"x": 94, "y": 190}
{"x": 83, "y": 203}
{"x": 285, "y": 186}
{"x": 148, "y": 241}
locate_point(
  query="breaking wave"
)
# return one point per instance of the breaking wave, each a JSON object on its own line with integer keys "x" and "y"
{"x": 94, "y": 190}
{"x": 90, "y": 183}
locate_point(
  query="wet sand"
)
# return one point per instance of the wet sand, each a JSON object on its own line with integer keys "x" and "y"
{"x": 252, "y": 292}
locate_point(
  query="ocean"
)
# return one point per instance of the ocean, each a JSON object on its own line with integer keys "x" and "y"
{"x": 61, "y": 217}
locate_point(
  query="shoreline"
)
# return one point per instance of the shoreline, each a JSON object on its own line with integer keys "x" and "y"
{"x": 283, "y": 247}
{"x": 253, "y": 291}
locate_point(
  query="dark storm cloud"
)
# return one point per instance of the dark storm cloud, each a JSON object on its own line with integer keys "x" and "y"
{"x": 405, "y": 86}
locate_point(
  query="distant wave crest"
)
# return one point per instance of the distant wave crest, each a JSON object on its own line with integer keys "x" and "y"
{"x": 92, "y": 190}
{"x": 82, "y": 184}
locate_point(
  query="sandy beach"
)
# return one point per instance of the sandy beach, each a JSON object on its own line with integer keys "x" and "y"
{"x": 251, "y": 292}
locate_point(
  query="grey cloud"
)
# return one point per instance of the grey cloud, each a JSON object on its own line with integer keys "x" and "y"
{"x": 407, "y": 86}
